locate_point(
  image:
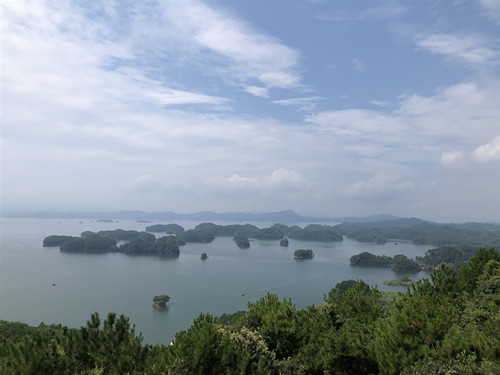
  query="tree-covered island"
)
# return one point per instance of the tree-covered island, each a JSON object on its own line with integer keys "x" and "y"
{"x": 160, "y": 302}
{"x": 303, "y": 254}
{"x": 241, "y": 241}
{"x": 398, "y": 263}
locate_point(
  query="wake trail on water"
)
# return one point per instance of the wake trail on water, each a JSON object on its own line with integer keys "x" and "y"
{"x": 277, "y": 285}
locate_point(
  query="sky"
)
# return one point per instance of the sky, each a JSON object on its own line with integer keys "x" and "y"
{"x": 325, "y": 107}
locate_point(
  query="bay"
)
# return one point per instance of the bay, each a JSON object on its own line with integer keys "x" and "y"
{"x": 224, "y": 283}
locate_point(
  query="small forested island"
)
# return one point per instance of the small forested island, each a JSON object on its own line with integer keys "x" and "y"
{"x": 399, "y": 262}
{"x": 303, "y": 254}
{"x": 165, "y": 228}
{"x": 160, "y": 302}
{"x": 447, "y": 324}
{"x": 242, "y": 241}
{"x": 284, "y": 242}
{"x": 402, "y": 281}
{"x": 203, "y": 256}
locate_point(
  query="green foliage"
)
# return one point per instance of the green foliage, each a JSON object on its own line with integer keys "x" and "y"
{"x": 90, "y": 244}
{"x": 316, "y": 233}
{"x": 165, "y": 228}
{"x": 402, "y": 263}
{"x": 402, "y": 281}
{"x": 203, "y": 256}
{"x": 335, "y": 293}
{"x": 209, "y": 348}
{"x": 277, "y": 322}
{"x": 303, "y": 254}
{"x": 267, "y": 234}
{"x": 399, "y": 263}
{"x": 446, "y": 325}
{"x": 456, "y": 255}
{"x": 284, "y": 242}
{"x": 242, "y": 241}
{"x": 56, "y": 241}
{"x": 424, "y": 233}
{"x": 369, "y": 259}
{"x": 470, "y": 272}
{"x": 161, "y": 300}
{"x": 193, "y": 235}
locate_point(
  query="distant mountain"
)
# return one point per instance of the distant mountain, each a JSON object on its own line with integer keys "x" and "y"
{"x": 283, "y": 217}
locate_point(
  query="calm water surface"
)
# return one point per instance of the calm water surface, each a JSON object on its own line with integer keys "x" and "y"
{"x": 126, "y": 284}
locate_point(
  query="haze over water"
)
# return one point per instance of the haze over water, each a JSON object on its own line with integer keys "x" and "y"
{"x": 114, "y": 282}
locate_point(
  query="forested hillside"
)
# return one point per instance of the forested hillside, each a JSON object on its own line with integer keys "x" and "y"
{"x": 447, "y": 325}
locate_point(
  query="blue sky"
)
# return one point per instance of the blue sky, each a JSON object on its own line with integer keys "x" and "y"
{"x": 329, "y": 108}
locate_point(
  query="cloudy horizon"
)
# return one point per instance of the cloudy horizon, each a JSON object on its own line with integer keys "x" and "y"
{"x": 327, "y": 108}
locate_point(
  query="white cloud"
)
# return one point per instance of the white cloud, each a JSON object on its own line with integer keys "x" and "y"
{"x": 357, "y": 122}
{"x": 382, "y": 184}
{"x": 492, "y": 8}
{"x": 358, "y": 65}
{"x": 280, "y": 179}
{"x": 449, "y": 158}
{"x": 248, "y": 54}
{"x": 263, "y": 92}
{"x": 489, "y": 151}
{"x": 305, "y": 104}
{"x": 379, "y": 103}
{"x": 170, "y": 96}
{"x": 473, "y": 50}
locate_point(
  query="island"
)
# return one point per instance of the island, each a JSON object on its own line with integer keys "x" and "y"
{"x": 203, "y": 256}
{"x": 160, "y": 302}
{"x": 303, "y": 254}
{"x": 165, "y": 228}
{"x": 399, "y": 262}
{"x": 242, "y": 241}
{"x": 284, "y": 242}
{"x": 316, "y": 232}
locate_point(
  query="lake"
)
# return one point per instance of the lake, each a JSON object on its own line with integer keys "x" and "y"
{"x": 224, "y": 283}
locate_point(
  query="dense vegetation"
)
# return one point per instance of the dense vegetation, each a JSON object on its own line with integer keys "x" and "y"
{"x": 56, "y": 241}
{"x": 446, "y": 325}
{"x": 165, "y": 228}
{"x": 242, "y": 241}
{"x": 161, "y": 301}
{"x": 193, "y": 235}
{"x": 284, "y": 242}
{"x": 402, "y": 281}
{"x": 399, "y": 262}
{"x": 315, "y": 232}
{"x": 303, "y": 254}
{"x": 138, "y": 243}
{"x": 424, "y": 233}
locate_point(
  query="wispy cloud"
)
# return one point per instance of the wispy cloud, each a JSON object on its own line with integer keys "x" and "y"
{"x": 247, "y": 54}
{"x": 492, "y": 8}
{"x": 381, "y": 184}
{"x": 358, "y": 65}
{"x": 305, "y": 104}
{"x": 280, "y": 179}
{"x": 472, "y": 50}
{"x": 384, "y": 10}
